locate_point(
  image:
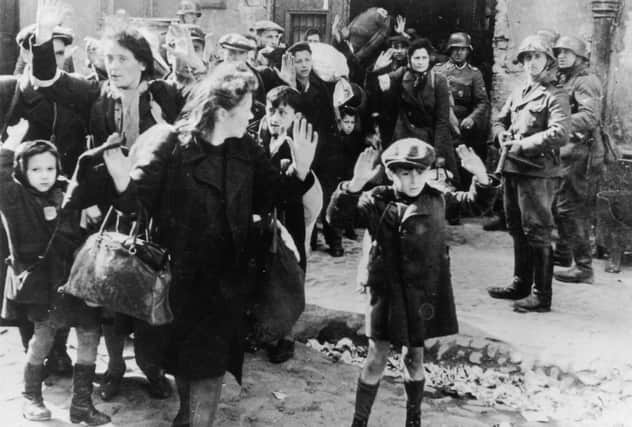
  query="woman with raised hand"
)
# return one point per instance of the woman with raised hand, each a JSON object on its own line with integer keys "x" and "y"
{"x": 128, "y": 103}
{"x": 417, "y": 99}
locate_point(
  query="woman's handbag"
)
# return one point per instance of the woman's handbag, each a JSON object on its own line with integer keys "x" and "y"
{"x": 123, "y": 273}
{"x": 279, "y": 297}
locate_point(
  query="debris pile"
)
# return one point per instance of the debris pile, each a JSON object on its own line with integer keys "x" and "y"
{"x": 539, "y": 395}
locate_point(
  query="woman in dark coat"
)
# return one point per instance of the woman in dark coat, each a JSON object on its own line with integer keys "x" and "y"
{"x": 128, "y": 103}
{"x": 422, "y": 100}
{"x": 202, "y": 182}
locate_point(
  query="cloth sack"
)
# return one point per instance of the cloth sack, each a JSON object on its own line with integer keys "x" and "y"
{"x": 328, "y": 62}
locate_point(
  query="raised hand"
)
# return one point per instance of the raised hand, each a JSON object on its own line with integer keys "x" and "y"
{"x": 366, "y": 167}
{"x": 303, "y": 145}
{"x": 50, "y": 13}
{"x": 400, "y": 24}
{"x": 472, "y": 163}
{"x": 180, "y": 45}
{"x": 15, "y": 135}
{"x": 117, "y": 163}
{"x": 335, "y": 28}
{"x": 384, "y": 60}
{"x": 288, "y": 70}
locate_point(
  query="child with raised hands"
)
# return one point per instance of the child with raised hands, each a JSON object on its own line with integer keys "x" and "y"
{"x": 407, "y": 269}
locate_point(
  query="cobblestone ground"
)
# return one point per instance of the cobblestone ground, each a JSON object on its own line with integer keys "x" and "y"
{"x": 570, "y": 367}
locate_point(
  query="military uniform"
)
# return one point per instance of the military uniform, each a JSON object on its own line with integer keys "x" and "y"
{"x": 538, "y": 117}
{"x": 470, "y": 100}
{"x": 582, "y": 158}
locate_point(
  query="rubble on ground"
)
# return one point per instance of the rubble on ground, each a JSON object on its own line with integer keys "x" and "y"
{"x": 539, "y": 395}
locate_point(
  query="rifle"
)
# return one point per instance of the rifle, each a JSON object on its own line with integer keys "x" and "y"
{"x": 504, "y": 153}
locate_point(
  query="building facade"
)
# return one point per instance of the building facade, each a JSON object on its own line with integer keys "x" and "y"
{"x": 496, "y": 26}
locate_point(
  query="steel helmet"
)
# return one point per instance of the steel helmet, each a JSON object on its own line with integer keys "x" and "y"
{"x": 535, "y": 43}
{"x": 574, "y": 44}
{"x": 460, "y": 40}
{"x": 189, "y": 6}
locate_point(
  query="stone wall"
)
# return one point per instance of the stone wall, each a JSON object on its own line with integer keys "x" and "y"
{"x": 618, "y": 114}
{"x": 516, "y": 19}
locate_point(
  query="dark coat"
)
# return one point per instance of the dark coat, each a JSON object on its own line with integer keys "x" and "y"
{"x": 97, "y": 103}
{"x": 317, "y": 107}
{"x": 423, "y": 110}
{"x": 540, "y": 118}
{"x": 30, "y": 233}
{"x": 47, "y": 119}
{"x": 290, "y": 211}
{"x": 407, "y": 266}
{"x": 204, "y": 217}
{"x": 468, "y": 91}
{"x": 585, "y": 142}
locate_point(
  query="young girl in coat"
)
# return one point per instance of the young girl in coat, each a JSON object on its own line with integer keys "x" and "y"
{"x": 407, "y": 271}
{"x": 42, "y": 240}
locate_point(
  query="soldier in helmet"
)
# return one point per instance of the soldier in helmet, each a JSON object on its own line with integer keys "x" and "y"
{"x": 573, "y": 200}
{"x": 189, "y": 12}
{"x": 531, "y": 127}
{"x": 471, "y": 103}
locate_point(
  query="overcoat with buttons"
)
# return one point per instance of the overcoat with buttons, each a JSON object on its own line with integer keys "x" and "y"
{"x": 407, "y": 264}
{"x": 468, "y": 90}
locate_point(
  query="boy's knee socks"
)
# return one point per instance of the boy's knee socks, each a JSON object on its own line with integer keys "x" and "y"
{"x": 365, "y": 396}
{"x": 414, "y": 394}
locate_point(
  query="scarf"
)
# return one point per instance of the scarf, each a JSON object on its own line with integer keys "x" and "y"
{"x": 127, "y": 111}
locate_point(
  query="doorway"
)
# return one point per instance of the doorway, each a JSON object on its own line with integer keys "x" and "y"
{"x": 9, "y": 27}
{"x": 437, "y": 19}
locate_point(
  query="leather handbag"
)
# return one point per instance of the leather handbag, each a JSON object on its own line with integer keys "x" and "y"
{"x": 279, "y": 297}
{"x": 124, "y": 274}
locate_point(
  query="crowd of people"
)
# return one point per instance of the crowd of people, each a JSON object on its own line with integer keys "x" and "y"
{"x": 208, "y": 139}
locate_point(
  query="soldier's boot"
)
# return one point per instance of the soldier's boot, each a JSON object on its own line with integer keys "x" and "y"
{"x": 520, "y": 287}
{"x": 58, "y": 361}
{"x": 582, "y": 271}
{"x": 34, "y": 408}
{"x": 562, "y": 256}
{"x": 540, "y": 298}
{"x": 414, "y": 396}
{"x": 365, "y": 396}
{"x": 81, "y": 407}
